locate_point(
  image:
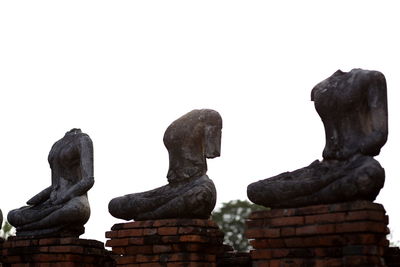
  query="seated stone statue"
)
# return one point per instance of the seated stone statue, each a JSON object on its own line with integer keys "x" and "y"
{"x": 190, "y": 193}
{"x": 62, "y": 209}
{"x": 353, "y": 109}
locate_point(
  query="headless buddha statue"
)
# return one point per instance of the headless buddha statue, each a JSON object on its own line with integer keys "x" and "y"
{"x": 61, "y": 209}
{"x": 190, "y": 193}
{"x": 353, "y": 109}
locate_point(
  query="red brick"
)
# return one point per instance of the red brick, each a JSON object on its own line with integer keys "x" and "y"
{"x": 317, "y": 209}
{"x": 311, "y": 210}
{"x": 117, "y": 242}
{"x": 213, "y": 232}
{"x": 374, "y": 250}
{"x": 259, "y": 243}
{"x": 170, "y": 239}
{"x": 119, "y": 250}
{"x": 268, "y": 243}
{"x": 41, "y": 249}
{"x": 363, "y": 226}
{"x": 315, "y": 229}
{"x": 191, "y": 264}
{"x": 136, "y": 241}
{"x": 285, "y": 221}
{"x": 210, "y": 224}
{"x": 49, "y": 241}
{"x": 272, "y": 213}
{"x": 130, "y": 232}
{"x": 12, "y": 259}
{"x": 262, "y": 233}
{"x": 165, "y": 222}
{"x": 151, "y": 264}
{"x": 276, "y": 243}
{"x": 191, "y": 230}
{"x": 328, "y": 252}
{"x": 323, "y": 209}
{"x": 275, "y": 263}
{"x": 325, "y": 218}
{"x": 66, "y": 249}
{"x": 137, "y": 224}
{"x": 81, "y": 242}
{"x": 125, "y": 260}
{"x": 331, "y": 262}
{"x": 260, "y": 264}
{"x": 191, "y": 247}
{"x": 288, "y": 231}
{"x": 282, "y": 253}
{"x": 314, "y": 241}
{"x": 360, "y": 260}
{"x": 356, "y": 205}
{"x": 147, "y": 258}
{"x": 193, "y": 238}
{"x": 158, "y": 249}
{"x": 56, "y": 257}
{"x": 187, "y": 257}
{"x": 112, "y": 234}
{"x": 371, "y": 215}
{"x": 72, "y": 240}
{"x": 134, "y": 250}
{"x": 260, "y": 254}
{"x": 149, "y": 231}
{"x": 20, "y": 265}
{"x": 167, "y": 230}
{"x": 365, "y": 239}
{"x": 254, "y": 223}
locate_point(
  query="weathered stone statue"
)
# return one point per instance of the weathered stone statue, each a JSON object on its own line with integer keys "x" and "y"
{"x": 190, "y": 193}
{"x": 62, "y": 209}
{"x": 353, "y": 109}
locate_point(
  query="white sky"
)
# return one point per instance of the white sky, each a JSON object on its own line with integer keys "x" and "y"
{"x": 122, "y": 71}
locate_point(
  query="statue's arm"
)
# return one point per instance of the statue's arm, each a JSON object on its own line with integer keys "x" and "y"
{"x": 377, "y": 102}
{"x": 40, "y": 197}
{"x": 86, "y": 167}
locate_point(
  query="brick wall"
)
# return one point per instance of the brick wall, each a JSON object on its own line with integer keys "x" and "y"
{"x": 345, "y": 234}
{"x": 170, "y": 242}
{"x": 45, "y": 252}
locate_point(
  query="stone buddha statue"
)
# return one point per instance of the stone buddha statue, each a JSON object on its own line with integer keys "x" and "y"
{"x": 353, "y": 109}
{"x": 190, "y": 140}
{"x": 61, "y": 209}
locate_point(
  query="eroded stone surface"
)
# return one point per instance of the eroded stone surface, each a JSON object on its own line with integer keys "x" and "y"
{"x": 62, "y": 209}
{"x": 190, "y": 193}
{"x": 353, "y": 109}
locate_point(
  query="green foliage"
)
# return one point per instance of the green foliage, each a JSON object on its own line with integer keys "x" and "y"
{"x": 7, "y": 230}
{"x": 231, "y": 219}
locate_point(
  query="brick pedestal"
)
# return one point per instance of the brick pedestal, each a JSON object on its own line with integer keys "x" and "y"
{"x": 345, "y": 234}
{"x": 170, "y": 243}
{"x": 57, "y": 252}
